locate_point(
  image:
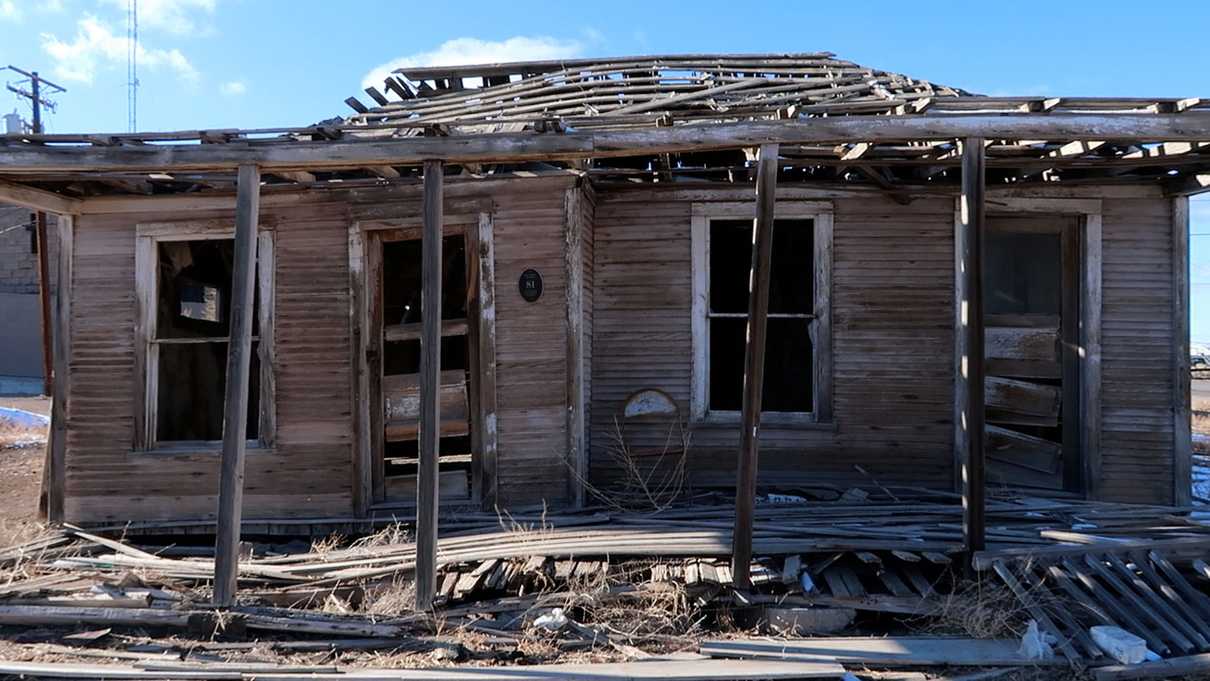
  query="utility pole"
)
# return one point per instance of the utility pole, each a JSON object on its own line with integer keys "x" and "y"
{"x": 37, "y": 101}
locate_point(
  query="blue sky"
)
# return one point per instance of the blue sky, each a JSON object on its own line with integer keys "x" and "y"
{"x": 270, "y": 63}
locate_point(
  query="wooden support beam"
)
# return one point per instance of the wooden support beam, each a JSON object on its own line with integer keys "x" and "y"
{"x": 56, "y": 446}
{"x": 430, "y": 386}
{"x": 969, "y": 396}
{"x": 754, "y": 364}
{"x": 573, "y": 265}
{"x": 1181, "y": 397}
{"x": 37, "y": 199}
{"x": 235, "y": 402}
{"x": 505, "y": 148}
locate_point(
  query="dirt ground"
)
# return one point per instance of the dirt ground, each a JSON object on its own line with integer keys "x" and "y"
{"x": 20, "y": 478}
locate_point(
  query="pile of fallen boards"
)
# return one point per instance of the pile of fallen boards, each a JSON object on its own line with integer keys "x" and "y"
{"x": 1071, "y": 564}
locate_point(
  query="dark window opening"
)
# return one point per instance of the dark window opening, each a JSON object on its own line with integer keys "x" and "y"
{"x": 401, "y": 272}
{"x": 1023, "y": 272}
{"x": 788, "y": 382}
{"x": 193, "y": 327}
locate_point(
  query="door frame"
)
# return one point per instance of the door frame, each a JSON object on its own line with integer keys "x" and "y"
{"x": 1088, "y": 211}
{"x": 365, "y": 324}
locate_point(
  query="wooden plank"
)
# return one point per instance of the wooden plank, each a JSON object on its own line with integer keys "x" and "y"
{"x": 969, "y": 246}
{"x": 363, "y": 465}
{"x": 754, "y": 364}
{"x": 402, "y": 405}
{"x": 890, "y": 651}
{"x": 56, "y": 491}
{"x": 573, "y": 256}
{"x": 1188, "y": 666}
{"x": 1021, "y": 397}
{"x": 430, "y": 381}
{"x": 821, "y": 326}
{"x": 1182, "y": 463}
{"x": 1138, "y": 601}
{"x": 1022, "y": 343}
{"x": 406, "y": 332}
{"x": 38, "y": 199}
{"x": 1035, "y": 610}
{"x": 489, "y": 437}
{"x": 451, "y": 483}
{"x": 267, "y": 347}
{"x": 235, "y": 402}
{"x": 1109, "y": 605}
{"x": 503, "y": 148}
{"x": 1090, "y": 340}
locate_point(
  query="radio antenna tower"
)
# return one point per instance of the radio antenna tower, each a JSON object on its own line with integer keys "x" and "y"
{"x": 132, "y": 65}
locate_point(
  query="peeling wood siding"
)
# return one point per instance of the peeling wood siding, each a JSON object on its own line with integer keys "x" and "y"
{"x": 1136, "y": 351}
{"x": 307, "y": 472}
{"x": 892, "y": 343}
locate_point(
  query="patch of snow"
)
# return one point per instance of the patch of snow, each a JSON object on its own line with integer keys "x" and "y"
{"x": 19, "y": 418}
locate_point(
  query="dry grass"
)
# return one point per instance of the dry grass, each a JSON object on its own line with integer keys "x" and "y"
{"x": 390, "y": 598}
{"x": 983, "y": 608}
{"x": 650, "y": 481}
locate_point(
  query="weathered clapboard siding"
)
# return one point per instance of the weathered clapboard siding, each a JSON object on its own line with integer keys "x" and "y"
{"x": 588, "y": 205}
{"x": 531, "y": 348}
{"x": 1136, "y": 351}
{"x": 305, "y": 474}
{"x": 892, "y": 342}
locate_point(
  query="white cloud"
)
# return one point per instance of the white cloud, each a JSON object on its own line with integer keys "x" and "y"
{"x": 476, "y": 51}
{"x": 9, "y": 11}
{"x": 96, "y": 46}
{"x": 233, "y": 88}
{"x": 171, "y": 16}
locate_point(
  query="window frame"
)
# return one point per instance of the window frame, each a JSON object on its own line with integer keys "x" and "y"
{"x": 820, "y": 327}
{"x": 147, "y": 240}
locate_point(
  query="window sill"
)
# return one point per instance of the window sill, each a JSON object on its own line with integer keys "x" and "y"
{"x": 204, "y": 448}
{"x": 779, "y": 421}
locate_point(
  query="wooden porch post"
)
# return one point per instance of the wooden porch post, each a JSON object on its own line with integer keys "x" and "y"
{"x": 430, "y": 386}
{"x": 235, "y": 405}
{"x": 970, "y": 376}
{"x": 754, "y": 363}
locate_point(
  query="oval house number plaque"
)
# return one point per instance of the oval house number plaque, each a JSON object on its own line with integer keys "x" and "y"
{"x": 530, "y": 285}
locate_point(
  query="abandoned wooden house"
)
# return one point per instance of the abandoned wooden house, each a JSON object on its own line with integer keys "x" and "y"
{"x": 584, "y": 233}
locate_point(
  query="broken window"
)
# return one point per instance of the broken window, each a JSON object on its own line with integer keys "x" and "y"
{"x": 188, "y": 337}
{"x": 724, "y": 268}
{"x": 402, "y": 316}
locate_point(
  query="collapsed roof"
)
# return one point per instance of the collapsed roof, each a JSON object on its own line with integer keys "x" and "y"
{"x": 529, "y": 104}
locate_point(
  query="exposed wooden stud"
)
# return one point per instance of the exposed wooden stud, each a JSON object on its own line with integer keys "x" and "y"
{"x": 754, "y": 364}
{"x": 235, "y": 402}
{"x": 970, "y": 394}
{"x": 430, "y": 387}
{"x": 1181, "y": 398}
